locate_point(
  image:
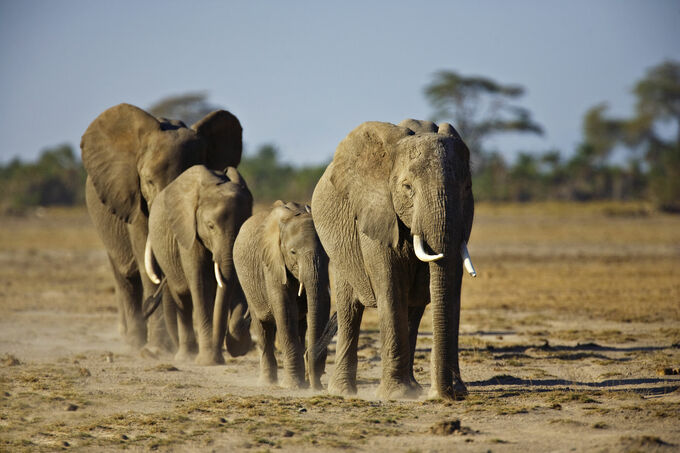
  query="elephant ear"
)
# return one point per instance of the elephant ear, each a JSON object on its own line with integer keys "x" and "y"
{"x": 223, "y": 132}
{"x": 181, "y": 201}
{"x": 459, "y": 145}
{"x": 110, "y": 146}
{"x": 272, "y": 255}
{"x": 361, "y": 172}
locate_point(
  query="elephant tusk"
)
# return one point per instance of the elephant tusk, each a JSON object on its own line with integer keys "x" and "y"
{"x": 420, "y": 251}
{"x": 148, "y": 263}
{"x": 467, "y": 262}
{"x": 218, "y": 275}
{"x": 300, "y": 290}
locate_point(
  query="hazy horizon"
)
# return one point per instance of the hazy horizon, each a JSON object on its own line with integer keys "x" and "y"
{"x": 301, "y": 76}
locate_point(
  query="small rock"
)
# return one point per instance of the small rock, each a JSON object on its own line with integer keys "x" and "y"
{"x": 668, "y": 371}
{"x": 223, "y": 420}
{"x": 445, "y": 428}
{"x": 109, "y": 357}
{"x": 124, "y": 437}
{"x": 85, "y": 372}
{"x": 7, "y": 394}
{"x": 288, "y": 433}
{"x": 65, "y": 444}
{"x": 72, "y": 407}
{"x": 10, "y": 360}
{"x": 302, "y": 410}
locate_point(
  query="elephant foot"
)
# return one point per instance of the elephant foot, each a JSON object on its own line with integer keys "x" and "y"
{"x": 185, "y": 355}
{"x": 136, "y": 340}
{"x": 162, "y": 345}
{"x": 393, "y": 390}
{"x": 209, "y": 359}
{"x": 238, "y": 346}
{"x": 341, "y": 387}
{"x": 265, "y": 380}
{"x": 316, "y": 385}
{"x": 294, "y": 383}
{"x": 457, "y": 393}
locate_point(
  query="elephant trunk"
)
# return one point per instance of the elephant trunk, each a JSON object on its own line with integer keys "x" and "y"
{"x": 238, "y": 337}
{"x": 443, "y": 232}
{"x": 314, "y": 277}
{"x": 226, "y": 280}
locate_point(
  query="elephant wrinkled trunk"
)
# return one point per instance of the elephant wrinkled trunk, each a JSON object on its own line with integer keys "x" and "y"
{"x": 314, "y": 277}
{"x": 226, "y": 278}
{"x": 443, "y": 233}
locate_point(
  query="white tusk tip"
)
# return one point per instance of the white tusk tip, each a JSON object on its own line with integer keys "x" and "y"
{"x": 218, "y": 275}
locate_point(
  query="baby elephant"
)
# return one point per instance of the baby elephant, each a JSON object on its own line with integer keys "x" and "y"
{"x": 193, "y": 223}
{"x": 284, "y": 274}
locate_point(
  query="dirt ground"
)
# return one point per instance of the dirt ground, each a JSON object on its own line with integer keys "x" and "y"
{"x": 570, "y": 341}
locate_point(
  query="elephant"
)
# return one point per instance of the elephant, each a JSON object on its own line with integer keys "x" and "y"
{"x": 284, "y": 273}
{"x": 394, "y": 212}
{"x": 130, "y": 156}
{"x": 192, "y": 227}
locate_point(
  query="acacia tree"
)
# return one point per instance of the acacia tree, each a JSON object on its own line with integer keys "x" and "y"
{"x": 658, "y": 103}
{"x": 188, "y": 107}
{"x": 478, "y": 107}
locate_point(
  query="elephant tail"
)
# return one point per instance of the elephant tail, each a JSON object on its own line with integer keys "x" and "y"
{"x": 152, "y": 302}
{"x": 326, "y": 337}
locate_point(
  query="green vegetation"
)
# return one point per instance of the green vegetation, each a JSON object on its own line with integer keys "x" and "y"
{"x": 57, "y": 178}
{"x": 479, "y": 108}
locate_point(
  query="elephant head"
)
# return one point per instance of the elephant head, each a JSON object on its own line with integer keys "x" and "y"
{"x": 205, "y": 209}
{"x": 412, "y": 182}
{"x": 293, "y": 247}
{"x": 130, "y": 156}
{"x": 209, "y": 206}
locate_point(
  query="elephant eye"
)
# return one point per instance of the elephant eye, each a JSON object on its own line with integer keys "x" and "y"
{"x": 292, "y": 252}
{"x": 211, "y": 225}
{"x": 407, "y": 187}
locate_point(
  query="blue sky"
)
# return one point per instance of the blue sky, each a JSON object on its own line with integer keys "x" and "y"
{"x": 303, "y": 74}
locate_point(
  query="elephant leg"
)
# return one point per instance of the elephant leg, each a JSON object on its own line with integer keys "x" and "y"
{"x": 186, "y": 339}
{"x": 415, "y": 314}
{"x": 129, "y": 295}
{"x": 266, "y": 335}
{"x": 115, "y": 236}
{"x": 170, "y": 314}
{"x": 350, "y": 311}
{"x": 302, "y": 332}
{"x": 157, "y": 335}
{"x": 286, "y": 316}
{"x": 395, "y": 354}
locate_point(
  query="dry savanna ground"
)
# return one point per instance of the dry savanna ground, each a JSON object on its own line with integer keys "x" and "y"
{"x": 570, "y": 341}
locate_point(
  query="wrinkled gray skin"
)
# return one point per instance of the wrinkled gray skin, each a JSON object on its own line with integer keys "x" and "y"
{"x": 130, "y": 156}
{"x": 385, "y": 184}
{"x": 276, "y": 250}
{"x": 192, "y": 225}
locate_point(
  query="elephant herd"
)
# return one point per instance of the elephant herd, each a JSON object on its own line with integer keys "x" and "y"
{"x": 387, "y": 228}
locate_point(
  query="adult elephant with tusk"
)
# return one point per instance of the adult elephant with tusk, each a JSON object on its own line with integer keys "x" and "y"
{"x": 130, "y": 156}
{"x": 192, "y": 228}
{"x": 284, "y": 273}
{"x": 394, "y": 212}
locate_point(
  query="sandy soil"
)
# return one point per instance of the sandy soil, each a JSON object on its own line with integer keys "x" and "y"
{"x": 570, "y": 341}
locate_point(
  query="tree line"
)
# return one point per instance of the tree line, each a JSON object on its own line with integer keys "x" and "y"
{"x": 479, "y": 108}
